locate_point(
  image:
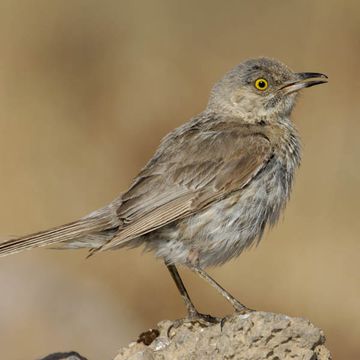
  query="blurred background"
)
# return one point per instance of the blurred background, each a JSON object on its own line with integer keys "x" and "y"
{"x": 87, "y": 90}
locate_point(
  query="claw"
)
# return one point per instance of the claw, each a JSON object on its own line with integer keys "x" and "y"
{"x": 241, "y": 311}
{"x": 195, "y": 318}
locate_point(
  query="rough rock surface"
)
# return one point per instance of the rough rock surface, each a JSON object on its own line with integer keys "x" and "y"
{"x": 254, "y": 336}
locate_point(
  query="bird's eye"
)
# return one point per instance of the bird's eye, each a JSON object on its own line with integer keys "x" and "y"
{"x": 261, "y": 84}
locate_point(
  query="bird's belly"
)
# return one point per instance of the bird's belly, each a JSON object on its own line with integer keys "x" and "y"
{"x": 226, "y": 228}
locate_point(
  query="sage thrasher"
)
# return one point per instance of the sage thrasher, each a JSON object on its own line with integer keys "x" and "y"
{"x": 212, "y": 186}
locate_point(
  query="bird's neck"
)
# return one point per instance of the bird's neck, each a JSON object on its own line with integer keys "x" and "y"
{"x": 286, "y": 141}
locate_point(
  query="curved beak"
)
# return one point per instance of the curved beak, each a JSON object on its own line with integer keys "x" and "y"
{"x": 305, "y": 79}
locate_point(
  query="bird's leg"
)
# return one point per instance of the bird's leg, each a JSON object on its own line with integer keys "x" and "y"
{"x": 193, "y": 314}
{"x": 183, "y": 292}
{"x": 238, "y": 306}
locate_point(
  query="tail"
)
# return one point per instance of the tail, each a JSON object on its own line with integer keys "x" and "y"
{"x": 58, "y": 235}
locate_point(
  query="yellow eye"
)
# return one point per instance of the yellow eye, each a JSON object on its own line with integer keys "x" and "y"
{"x": 261, "y": 84}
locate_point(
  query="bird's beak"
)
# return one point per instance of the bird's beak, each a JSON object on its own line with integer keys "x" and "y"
{"x": 304, "y": 80}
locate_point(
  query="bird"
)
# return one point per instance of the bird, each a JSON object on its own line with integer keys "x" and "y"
{"x": 211, "y": 188}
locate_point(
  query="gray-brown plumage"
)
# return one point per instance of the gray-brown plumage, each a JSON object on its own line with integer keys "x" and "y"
{"x": 213, "y": 184}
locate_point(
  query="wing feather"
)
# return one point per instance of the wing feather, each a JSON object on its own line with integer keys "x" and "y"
{"x": 189, "y": 173}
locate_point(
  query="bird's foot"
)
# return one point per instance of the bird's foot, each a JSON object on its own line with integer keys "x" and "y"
{"x": 242, "y": 310}
{"x": 204, "y": 320}
{"x": 239, "y": 310}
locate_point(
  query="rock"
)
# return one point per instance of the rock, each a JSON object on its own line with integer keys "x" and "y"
{"x": 71, "y": 355}
{"x": 253, "y": 336}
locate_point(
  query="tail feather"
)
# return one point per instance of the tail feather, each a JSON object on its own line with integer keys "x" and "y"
{"x": 60, "y": 234}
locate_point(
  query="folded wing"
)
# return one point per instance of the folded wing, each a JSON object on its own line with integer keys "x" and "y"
{"x": 188, "y": 173}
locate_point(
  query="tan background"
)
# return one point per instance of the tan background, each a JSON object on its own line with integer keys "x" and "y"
{"x": 88, "y": 88}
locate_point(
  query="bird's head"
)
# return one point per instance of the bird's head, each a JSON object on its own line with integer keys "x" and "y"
{"x": 260, "y": 88}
